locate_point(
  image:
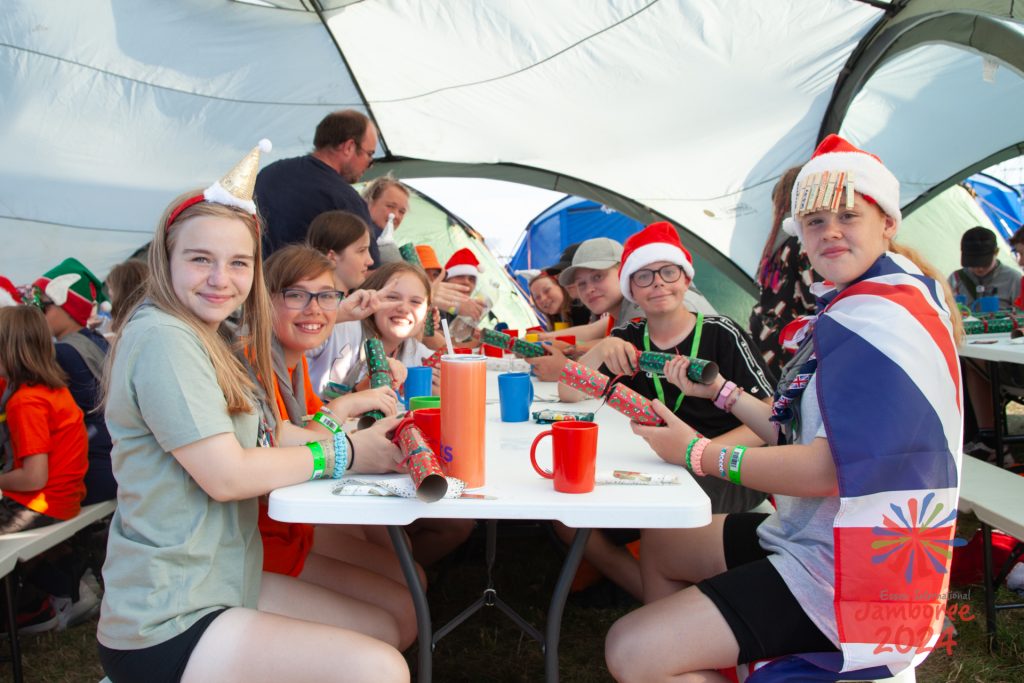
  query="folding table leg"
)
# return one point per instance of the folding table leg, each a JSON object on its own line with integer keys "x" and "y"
{"x": 553, "y": 630}
{"x": 424, "y": 629}
{"x": 990, "y": 590}
{"x": 12, "y": 626}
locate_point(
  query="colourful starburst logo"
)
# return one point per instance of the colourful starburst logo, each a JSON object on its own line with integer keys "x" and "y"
{"x": 915, "y": 541}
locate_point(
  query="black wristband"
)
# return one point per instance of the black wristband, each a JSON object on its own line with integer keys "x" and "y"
{"x": 351, "y": 452}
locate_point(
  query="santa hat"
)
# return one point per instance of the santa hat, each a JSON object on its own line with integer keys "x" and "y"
{"x": 462, "y": 262}
{"x": 656, "y": 242}
{"x": 835, "y": 171}
{"x": 73, "y": 287}
{"x": 9, "y": 294}
{"x": 235, "y": 188}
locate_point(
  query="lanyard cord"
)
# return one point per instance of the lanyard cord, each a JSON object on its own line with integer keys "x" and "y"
{"x": 693, "y": 352}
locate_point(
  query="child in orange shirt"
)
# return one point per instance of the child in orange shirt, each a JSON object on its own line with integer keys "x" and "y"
{"x": 45, "y": 447}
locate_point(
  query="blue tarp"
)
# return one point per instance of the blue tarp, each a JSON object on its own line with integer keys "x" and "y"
{"x": 1000, "y": 201}
{"x": 570, "y": 220}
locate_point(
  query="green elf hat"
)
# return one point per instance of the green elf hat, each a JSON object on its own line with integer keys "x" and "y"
{"x": 73, "y": 287}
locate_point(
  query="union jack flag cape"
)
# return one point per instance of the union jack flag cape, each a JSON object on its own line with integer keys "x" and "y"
{"x": 888, "y": 384}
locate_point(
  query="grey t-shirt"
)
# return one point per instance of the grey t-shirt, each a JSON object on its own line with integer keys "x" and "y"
{"x": 1003, "y": 282}
{"x": 174, "y": 554}
{"x": 799, "y": 534}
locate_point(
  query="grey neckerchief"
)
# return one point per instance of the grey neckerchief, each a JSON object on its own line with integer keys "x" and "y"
{"x": 293, "y": 393}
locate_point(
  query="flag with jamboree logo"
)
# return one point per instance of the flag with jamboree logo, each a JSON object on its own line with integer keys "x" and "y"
{"x": 889, "y": 391}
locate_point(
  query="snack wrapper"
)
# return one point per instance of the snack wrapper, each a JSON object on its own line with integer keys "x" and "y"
{"x": 399, "y": 488}
{"x": 700, "y": 370}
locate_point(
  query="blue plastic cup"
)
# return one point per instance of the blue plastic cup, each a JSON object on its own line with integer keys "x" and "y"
{"x": 419, "y": 382}
{"x": 986, "y": 304}
{"x": 516, "y": 393}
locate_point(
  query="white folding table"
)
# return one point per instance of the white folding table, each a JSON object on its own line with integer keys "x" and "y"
{"x": 518, "y": 493}
{"x": 996, "y": 349}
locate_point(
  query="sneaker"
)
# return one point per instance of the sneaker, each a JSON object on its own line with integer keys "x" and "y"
{"x": 978, "y": 449}
{"x": 38, "y": 619}
{"x": 71, "y": 613}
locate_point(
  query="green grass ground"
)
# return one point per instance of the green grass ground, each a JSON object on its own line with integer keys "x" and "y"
{"x": 490, "y": 648}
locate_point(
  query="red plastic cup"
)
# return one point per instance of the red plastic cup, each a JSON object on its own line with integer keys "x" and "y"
{"x": 429, "y": 422}
{"x": 512, "y": 333}
{"x": 493, "y": 351}
{"x": 569, "y": 339}
{"x": 575, "y": 456}
{"x": 463, "y": 350}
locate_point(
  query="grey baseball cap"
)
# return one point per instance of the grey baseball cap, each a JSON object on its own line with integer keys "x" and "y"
{"x": 598, "y": 253}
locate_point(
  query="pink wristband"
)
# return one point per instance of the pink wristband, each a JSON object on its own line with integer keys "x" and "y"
{"x": 695, "y": 457}
{"x": 723, "y": 394}
{"x": 733, "y": 397}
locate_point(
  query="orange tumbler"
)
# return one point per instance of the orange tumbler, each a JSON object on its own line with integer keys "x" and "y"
{"x": 463, "y": 418}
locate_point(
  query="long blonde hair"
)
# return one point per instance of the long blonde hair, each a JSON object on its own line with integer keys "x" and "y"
{"x": 931, "y": 271}
{"x": 224, "y": 347}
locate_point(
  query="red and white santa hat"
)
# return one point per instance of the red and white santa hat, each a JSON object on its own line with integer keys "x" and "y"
{"x": 835, "y": 171}
{"x": 462, "y": 262}
{"x": 656, "y": 242}
{"x": 9, "y": 294}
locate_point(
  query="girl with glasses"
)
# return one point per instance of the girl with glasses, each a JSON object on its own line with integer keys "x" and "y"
{"x": 355, "y": 561}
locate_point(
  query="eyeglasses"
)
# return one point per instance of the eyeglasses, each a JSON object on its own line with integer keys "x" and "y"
{"x": 298, "y": 299}
{"x": 369, "y": 155}
{"x": 645, "y": 276}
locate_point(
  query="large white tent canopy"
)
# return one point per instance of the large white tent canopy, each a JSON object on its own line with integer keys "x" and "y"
{"x": 685, "y": 109}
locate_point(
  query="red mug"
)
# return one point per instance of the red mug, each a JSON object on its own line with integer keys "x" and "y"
{"x": 429, "y": 422}
{"x": 512, "y": 333}
{"x": 462, "y": 350}
{"x": 574, "y": 455}
{"x": 493, "y": 351}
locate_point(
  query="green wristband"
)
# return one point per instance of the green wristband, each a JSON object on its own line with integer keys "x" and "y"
{"x": 318, "y": 459}
{"x": 735, "y": 462}
{"x": 689, "y": 451}
{"x": 332, "y": 426}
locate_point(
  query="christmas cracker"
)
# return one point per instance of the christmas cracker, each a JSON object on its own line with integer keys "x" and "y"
{"x": 700, "y": 370}
{"x": 380, "y": 376}
{"x": 424, "y": 467}
{"x": 621, "y": 398}
{"x": 408, "y": 252}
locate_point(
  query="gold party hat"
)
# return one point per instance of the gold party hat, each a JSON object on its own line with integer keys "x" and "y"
{"x": 236, "y": 187}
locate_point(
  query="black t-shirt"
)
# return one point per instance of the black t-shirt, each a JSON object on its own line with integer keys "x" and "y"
{"x": 725, "y": 343}
{"x": 290, "y": 193}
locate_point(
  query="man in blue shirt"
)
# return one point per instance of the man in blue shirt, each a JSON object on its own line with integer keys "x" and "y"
{"x": 292, "y": 192}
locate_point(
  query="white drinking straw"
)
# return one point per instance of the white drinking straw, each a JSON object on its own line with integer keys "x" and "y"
{"x": 447, "y": 337}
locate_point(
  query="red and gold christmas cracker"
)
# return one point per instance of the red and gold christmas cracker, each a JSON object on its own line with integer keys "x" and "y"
{"x": 424, "y": 467}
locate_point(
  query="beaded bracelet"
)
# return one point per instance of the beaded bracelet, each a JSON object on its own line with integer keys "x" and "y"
{"x": 721, "y": 462}
{"x": 735, "y": 462}
{"x": 321, "y": 418}
{"x": 732, "y": 398}
{"x": 698, "y": 453}
{"x": 317, "y": 451}
{"x": 689, "y": 451}
{"x": 340, "y": 455}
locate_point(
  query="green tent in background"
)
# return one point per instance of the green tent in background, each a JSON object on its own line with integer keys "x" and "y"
{"x": 428, "y": 223}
